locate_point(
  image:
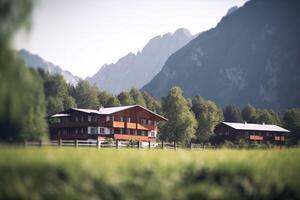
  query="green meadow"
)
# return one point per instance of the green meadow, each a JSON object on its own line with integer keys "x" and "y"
{"x": 67, "y": 173}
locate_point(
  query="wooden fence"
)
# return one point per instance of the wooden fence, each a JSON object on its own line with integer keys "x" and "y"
{"x": 115, "y": 144}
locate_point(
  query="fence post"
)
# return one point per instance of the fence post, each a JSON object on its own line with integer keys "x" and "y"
{"x": 41, "y": 143}
{"x": 175, "y": 147}
{"x": 138, "y": 144}
{"x": 162, "y": 145}
{"x": 98, "y": 144}
{"x": 117, "y": 144}
{"x": 76, "y": 143}
{"x": 60, "y": 142}
{"x": 191, "y": 146}
{"x": 149, "y": 144}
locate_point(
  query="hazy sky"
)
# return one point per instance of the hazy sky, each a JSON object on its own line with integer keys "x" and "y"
{"x": 82, "y": 35}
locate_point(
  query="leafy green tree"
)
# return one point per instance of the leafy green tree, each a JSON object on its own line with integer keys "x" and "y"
{"x": 54, "y": 105}
{"x": 137, "y": 97}
{"x": 103, "y": 97}
{"x": 34, "y": 124}
{"x": 232, "y": 114}
{"x": 125, "y": 99}
{"x": 86, "y": 96}
{"x": 56, "y": 86}
{"x": 208, "y": 115}
{"x": 22, "y": 103}
{"x": 113, "y": 102}
{"x": 268, "y": 117}
{"x": 152, "y": 103}
{"x": 69, "y": 102}
{"x": 181, "y": 125}
{"x": 291, "y": 121}
{"x": 249, "y": 114}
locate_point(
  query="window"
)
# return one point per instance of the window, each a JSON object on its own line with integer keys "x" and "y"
{"x": 129, "y": 119}
{"x": 143, "y": 121}
{"x": 107, "y": 118}
{"x": 76, "y": 131}
{"x": 76, "y": 118}
{"x": 92, "y": 130}
{"x": 149, "y": 121}
{"x": 101, "y": 130}
{"x": 89, "y": 118}
{"x": 82, "y": 118}
{"x": 121, "y": 119}
{"x": 81, "y": 131}
{"x": 121, "y": 131}
{"x": 154, "y": 122}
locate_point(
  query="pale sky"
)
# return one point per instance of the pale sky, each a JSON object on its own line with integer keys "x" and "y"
{"x": 82, "y": 35}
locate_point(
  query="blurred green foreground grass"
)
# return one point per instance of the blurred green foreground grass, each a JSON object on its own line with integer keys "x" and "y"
{"x": 143, "y": 174}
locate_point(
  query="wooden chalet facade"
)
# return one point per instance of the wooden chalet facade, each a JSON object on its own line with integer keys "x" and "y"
{"x": 260, "y": 133}
{"x": 120, "y": 123}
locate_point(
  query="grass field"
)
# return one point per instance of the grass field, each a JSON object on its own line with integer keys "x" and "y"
{"x": 143, "y": 174}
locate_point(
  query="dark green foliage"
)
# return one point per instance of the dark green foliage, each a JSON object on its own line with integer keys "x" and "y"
{"x": 152, "y": 103}
{"x": 181, "y": 125}
{"x": 291, "y": 121}
{"x": 253, "y": 115}
{"x": 232, "y": 114}
{"x": 137, "y": 97}
{"x": 125, "y": 99}
{"x": 22, "y": 101}
{"x": 249, "y": 114}
{"x": 86, "y": 96}
{"x": 208, "y": 115}
{"x": 57, "y": 93}
{"x": 103, "y": 97}
{"x": 112, "y": 102}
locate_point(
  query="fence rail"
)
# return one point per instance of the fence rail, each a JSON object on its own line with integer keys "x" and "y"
{"x": 115, "y": 144}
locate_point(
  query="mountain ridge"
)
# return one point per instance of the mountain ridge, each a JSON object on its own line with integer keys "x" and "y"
{"x": 122, "y": 75}
{"x": 251, "y": 56}
{"x": 36, "y": 61}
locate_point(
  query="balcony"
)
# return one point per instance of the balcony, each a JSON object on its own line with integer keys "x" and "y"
{"x": 146, "y": 127}
{"x": 130, "y": 125}
{"x": 132, "y": 137}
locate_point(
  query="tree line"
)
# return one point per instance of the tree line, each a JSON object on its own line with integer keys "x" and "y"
{"x": 194, "y": 120}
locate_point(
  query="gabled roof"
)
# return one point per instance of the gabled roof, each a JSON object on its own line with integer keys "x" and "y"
{"x": 112, "y": 110}
{"x": 60, "y": 115}
{"x": 255, "y": 127}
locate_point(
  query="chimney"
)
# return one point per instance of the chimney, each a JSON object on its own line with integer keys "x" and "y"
{"x": 100, "y": 108}
{"x": 263, "y": 123}
{"x": 245, "y": 122}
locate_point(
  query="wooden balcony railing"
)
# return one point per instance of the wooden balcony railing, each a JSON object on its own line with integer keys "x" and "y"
{"x": 132, "y": 137}
{"x": 146, "y": 127}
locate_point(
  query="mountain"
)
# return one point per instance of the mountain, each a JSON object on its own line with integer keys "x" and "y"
{"x": 135, "y": 70}
{"x": 35, "y": 61}
{"x": 251, "y": 56}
